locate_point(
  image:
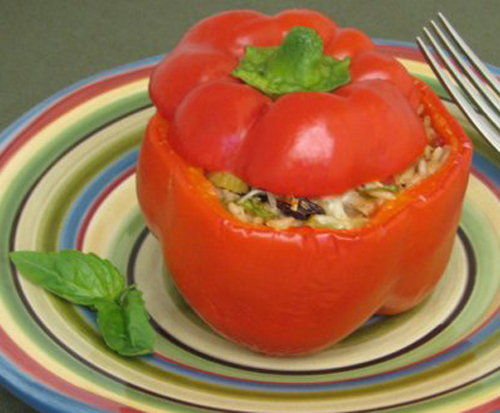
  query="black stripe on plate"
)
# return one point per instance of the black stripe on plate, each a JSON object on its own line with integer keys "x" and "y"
{"x": 136, "y": 248}
{"x": 40, "y": 323}
{"x": 471, "y": 280}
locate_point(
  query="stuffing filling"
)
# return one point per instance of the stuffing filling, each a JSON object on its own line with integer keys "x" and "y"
{"x": 345, "y": 211}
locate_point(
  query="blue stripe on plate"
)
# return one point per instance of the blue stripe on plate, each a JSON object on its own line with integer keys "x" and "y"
{"x": 37, "y": 395}
{"x": 44, "y": 398}
{"x": 485, "y": 167}
{"x": 413, "y": 46}
{"x": 10, "y": 132}
{"x": 88, "y": 196}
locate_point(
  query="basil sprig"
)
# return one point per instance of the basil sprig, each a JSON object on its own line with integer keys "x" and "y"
{"x": 89, "y": 280}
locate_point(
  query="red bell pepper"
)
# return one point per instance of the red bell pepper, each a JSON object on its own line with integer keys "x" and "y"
{"x": 302, "y": 289}
{"x": 351, "y": 133}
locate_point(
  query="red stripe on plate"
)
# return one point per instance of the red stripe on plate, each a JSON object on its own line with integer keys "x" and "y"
{"x": 496, "y": 191}
{"x": 489, "y": 407}
{"x": 68, "y": 102}
{"x": 98, "y": 201}
{"x": 27, "y": 365}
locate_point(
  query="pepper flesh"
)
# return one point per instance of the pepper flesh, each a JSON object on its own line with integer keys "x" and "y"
{"x": 303, "y": 143}
{"x": 300, "y": 290}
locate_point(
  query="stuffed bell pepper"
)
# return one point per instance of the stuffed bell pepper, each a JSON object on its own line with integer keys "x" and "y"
{"x": 298, "y": 180}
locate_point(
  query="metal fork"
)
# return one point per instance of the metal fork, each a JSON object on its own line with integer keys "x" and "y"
{"x": 482, "y": 89}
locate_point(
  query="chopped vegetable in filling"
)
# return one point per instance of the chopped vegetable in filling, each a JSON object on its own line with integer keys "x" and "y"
{"x": 348, "y": 210}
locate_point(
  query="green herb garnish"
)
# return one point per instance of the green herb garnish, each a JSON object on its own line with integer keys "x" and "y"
{"x": 125, "y": 324}
{"x": 89, "y": 280}
{"x": 257, "y": 208}
{"x": 394, "y": 189}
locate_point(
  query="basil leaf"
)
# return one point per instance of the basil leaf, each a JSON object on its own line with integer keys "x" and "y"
{"x": 73, "y": 275}
{"x": 89, "y": 280}
{"x": 125, "y": 325}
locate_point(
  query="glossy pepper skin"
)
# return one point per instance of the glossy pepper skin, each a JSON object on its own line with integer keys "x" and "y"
{"x": 300, "y": 290}
{"x": 304, "y": 143}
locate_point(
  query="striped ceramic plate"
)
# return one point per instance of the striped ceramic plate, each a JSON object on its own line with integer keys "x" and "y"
{"x": 67, "y": 182}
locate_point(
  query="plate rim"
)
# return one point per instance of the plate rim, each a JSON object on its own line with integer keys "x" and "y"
{"x": 27, "y": 389}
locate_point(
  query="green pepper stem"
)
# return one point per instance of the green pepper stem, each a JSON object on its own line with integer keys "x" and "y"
{"x": 298, "y": 63}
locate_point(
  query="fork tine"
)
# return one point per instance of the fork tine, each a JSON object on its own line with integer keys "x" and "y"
{"x": 460, "y": 79}
{"x": 480, "y": 66}
{"x": 477, "y": 120}
{"x": 457, "y": 56}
